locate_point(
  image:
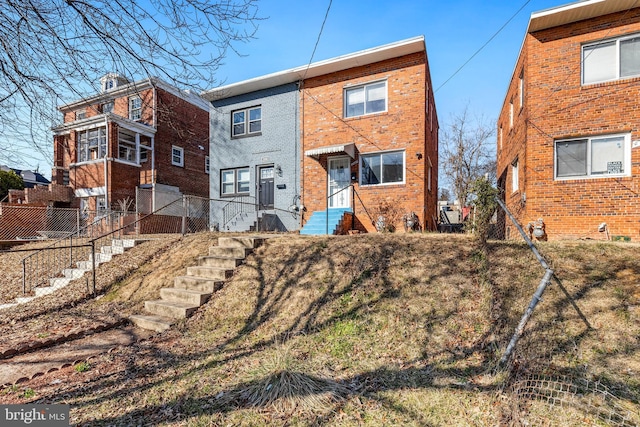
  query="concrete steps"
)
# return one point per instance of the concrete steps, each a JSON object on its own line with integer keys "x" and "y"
{"x": 191, "y": 291}
{"x": 106, "y": 254}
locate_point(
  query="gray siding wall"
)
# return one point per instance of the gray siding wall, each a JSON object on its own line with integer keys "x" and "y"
{"x": 278, "y": 145}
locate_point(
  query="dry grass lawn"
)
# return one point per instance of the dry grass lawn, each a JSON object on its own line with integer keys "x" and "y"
{"x": 377, "y": 329}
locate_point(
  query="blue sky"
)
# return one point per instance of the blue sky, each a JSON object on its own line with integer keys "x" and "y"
{"x": 454, "y": 30}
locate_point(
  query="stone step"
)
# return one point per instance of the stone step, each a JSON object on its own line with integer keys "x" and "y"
{"x": 187, "y": 296}
{"x": 210, "y": 272}
{"x": 100, "y": 257}
{"x": 58, "y": 282}
{"x": 112, "y": 250}
{"x": 214, "y": 261}
{"x": 86, "y": 265}
{"x": 240, "y": 241}
{"x": 173, "y": 310}
{"x": 73, "y": 273}
{"x": 229, "y": 252}
{"x": 127, "y": 243}
{"x": 152, "y": 323}
{"x": 195, "y": 283}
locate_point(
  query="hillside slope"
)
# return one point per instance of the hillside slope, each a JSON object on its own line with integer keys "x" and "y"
{"x": 379, "y": 329}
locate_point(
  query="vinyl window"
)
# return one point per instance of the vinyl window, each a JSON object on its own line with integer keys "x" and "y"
{"x": 92, "y": 144}
{"x": 366, "y": 99}
{"x": 382, "y": 168}
{"x": 135, "y": 108}
{"x": 235, "y": 182}
{"x": 593, "y": 157}
{"x": 611, "y": 60}
{"x": 177, "y": 156}
{"x": 246, "y": 122}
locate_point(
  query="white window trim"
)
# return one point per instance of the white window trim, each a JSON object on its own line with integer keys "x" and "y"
{"x": 521, "y": 82}
{"x": 627, "y": 158}
{"x": 138, "y": 110}
{"x": 404, "y": 168}
{"x": 617, "y": 61}
{"x": 181, "y": 150}
{"x": 515, "y": 176}
{"x": 235, "y": 182}
{"x": 364, "y": 85}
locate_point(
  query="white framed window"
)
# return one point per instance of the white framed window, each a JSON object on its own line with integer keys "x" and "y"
{"x": 101, "y": 205}
{"x": 207, "y": 165}
{"x": 429, "y": 175}
{"x": 81, "y": 114}
{"x": 235, "y": 181}
{"x": 382, "y": 168}
{"x": 127, "y": 147}
{"x": 610, "y": 60}
{"x": 365, "y": 99}
{"x": 246, "y": 122}
{"x": 593, "y": 157}
{"x": 92, "y": 144}
{"x": 500, "y": 136}
{"x": 511, "y": 114}
{"x": 521, "y": 91}
{"x": 135, "y": 108}
{"x": 515, "y": 176}
{"x": 177, "y": 156}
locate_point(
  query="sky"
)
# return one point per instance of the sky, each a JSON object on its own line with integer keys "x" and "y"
{"x": 486, "y": 35}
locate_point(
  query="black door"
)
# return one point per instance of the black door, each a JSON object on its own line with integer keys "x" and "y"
{"x": 265, "y": 190}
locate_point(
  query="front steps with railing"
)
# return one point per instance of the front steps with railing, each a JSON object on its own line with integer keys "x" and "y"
{"x": 194, "y": 289}
{"x": 106, "y": 254}
{"x": 324, "y": 222}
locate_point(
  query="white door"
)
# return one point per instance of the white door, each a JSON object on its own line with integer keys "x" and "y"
{"x": 339, "y": 179}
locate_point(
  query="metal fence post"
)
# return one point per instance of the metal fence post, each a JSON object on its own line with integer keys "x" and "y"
{"x": 93, "y": 265}
{"x": 184, "y": 215}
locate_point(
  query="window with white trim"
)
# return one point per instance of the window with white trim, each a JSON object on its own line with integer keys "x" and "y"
{"x": 515, "y": 180}
{"x": 511, "y": 114}
{"x": 127, "y": 150}
{"x": 610, "y": 60}
{"x": 366, "y": 99}
{"x": 207, "y": 165}
{"x": 521, "y": 83}
{"x": 107, "y": 107}
{"x": 235, "y": 181}
{"x": 382, "y": 168}
{"x": 135, "y": 108}
{"x": 246, "y": 122}
{"x": 92, "y": 144}
{"x": 177, "y": 156}
{"x": 594, "y": 157}
{"x": 81, "y": 114}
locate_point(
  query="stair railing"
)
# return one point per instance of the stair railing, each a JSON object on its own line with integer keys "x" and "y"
{"x": 237, "y": 206}
{"x": 354, "y": 194}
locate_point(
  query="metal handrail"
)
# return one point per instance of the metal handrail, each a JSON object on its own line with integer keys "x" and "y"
{"x": 354, "y": 193}
{"x": 236, "y": 207}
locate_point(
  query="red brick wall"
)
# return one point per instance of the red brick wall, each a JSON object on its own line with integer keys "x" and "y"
{"x": 405, "y": 126}
{"x": 559, "y": 107}
{"x": 184, "y": 125}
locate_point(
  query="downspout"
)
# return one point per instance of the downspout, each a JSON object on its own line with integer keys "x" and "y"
{"x": 153, "y": 149}
{"x": 301, "y": 138}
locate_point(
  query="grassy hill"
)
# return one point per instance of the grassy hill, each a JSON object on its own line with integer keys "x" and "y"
{"x": 378, "y": 329}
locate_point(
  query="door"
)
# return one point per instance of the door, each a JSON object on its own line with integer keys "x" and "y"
{"x": 339, "y": 179}
{"x": 265, "y": 187}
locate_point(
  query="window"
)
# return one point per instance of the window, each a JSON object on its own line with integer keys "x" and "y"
{"x": 81, "y": 114}
{"x": 429, "y": 175}
{"x": 92, "y": 144}
{"x": 101, "y": 205}
{"x": 144, "y": 154}
{"x": 235, "y": 181}
{"x": 246, "y": 122}
{"x": 177, "y": 156}
{"x": 593, "y": 157}
{"x": 611, "y": 60}
{"x": 515, "y": 183}
{"x": 521, "y": 89}
{"x": 500, "y": 136}
{"x": 207, "y": 165}
{"x": 135, "y": 108}
{"x": 366, "y": 99}
{"x": 382, "y": 168}
{"x": 107, "y": 107}
{"x": 127, "y": 147}
{"x": 511, "y": 114}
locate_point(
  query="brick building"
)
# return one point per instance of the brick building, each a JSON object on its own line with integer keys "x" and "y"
{"x": 569, "y": 130}
{"x": 145, "y": 134}
{"x": 370, "y": 137}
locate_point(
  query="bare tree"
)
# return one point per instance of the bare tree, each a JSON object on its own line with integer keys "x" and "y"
{"x": 54, "y": 51}
{"x": 467, "y": 153}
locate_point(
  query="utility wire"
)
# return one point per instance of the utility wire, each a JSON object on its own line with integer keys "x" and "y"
{"x": 484, "y": 45}
{"x": 326, "y": 15}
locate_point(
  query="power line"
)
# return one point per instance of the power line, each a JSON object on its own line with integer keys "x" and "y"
{"x": 326, "y": 15}
{"x": 483, "y": 46}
